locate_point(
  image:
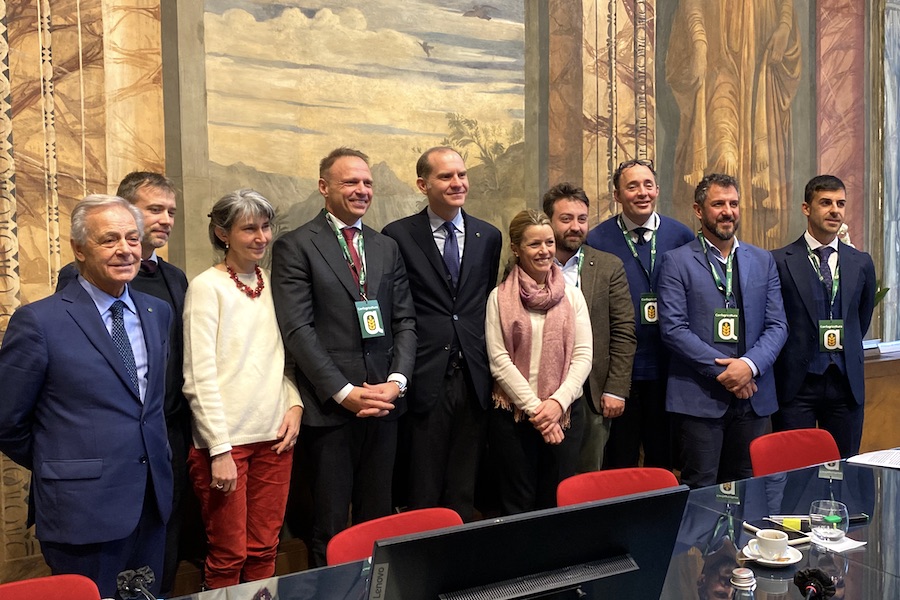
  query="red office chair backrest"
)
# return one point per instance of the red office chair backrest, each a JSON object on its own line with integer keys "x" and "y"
{"x": 793, "y": 449}
{"x": 599, "y": 485}
{"x": 356, "y": 542}
{"x": 54, "y": 587}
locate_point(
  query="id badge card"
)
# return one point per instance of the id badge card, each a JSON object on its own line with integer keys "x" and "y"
{"x": 649, "y": 309}
{"x": 369, "y": 315}
{"x": 831, "y": 335}
{"x": 725, "y": 325}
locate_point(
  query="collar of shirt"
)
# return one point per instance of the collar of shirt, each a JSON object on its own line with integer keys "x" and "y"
{"x": 340, "y": 224}
{"x": 104, "y": 301}
{"x": 570, "y": 269}
{"x": 153, "y": 257}
{"x": 714, "y": 252}
{"x": 814, "y": 243}
{"x": 437, "y": 223}
{"x": 652, "y": 224}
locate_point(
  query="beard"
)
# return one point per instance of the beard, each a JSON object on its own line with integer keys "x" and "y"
{"x": 570, "y": 242}
{"x": 713, "y": 227}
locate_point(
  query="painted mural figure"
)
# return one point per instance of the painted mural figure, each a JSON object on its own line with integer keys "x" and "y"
{"x": 734, "y": 67}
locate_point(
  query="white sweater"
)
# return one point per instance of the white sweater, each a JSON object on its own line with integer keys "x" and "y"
{"x": 521, "y": 391}
{"x": 234, "y": 372}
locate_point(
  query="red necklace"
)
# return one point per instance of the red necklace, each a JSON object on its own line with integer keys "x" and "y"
{"x": 245, "y": 288}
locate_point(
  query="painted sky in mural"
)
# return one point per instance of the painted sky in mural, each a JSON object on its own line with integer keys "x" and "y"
{"x": 288, "y": 81}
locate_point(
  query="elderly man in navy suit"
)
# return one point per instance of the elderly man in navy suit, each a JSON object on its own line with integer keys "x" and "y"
{"x": 722, "y": 318}
{"x": 452, "y": 259}
{"x": 829, "y": 289}
{"x": 154, "y": 195}
{"x": 81, "y": 405}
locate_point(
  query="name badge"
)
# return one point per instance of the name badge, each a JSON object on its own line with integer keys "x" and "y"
{"x": 649, "y": 309}
{"x": 725, "y": 325}
{"x": 831, "y": 336}
{"x": 369, "y": 315}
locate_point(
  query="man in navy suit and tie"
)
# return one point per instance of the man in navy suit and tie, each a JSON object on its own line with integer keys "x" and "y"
{"x": 348, "y": 322}
{"x": 154, "y": 195}
{"x": 81, "y": 405}
{"x": 639, "y": 237}
{"x": 829, "y": 289}
{"x": 452, "y": 260}
{"x": 722, "y": 318}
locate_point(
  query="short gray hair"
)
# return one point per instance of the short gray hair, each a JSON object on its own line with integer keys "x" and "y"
{"x": 94, "y": 202}
{"x": 233, "y": 206}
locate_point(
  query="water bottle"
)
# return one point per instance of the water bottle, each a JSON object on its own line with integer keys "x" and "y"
{"x": 743, "y": 581}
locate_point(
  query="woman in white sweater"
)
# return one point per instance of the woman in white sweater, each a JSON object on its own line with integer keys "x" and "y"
{"x": 246, "y": 410}
{"x": 539, "y": 345}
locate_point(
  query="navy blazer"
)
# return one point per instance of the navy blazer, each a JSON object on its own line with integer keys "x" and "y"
{"x": 69, "y": 412}
{"x": 440, "y": 312}
{"x": 688, "y": 298}
{"x": 650, "y": 357}
{"x": 857, "y": 303}
{"x": 314, "y": 293}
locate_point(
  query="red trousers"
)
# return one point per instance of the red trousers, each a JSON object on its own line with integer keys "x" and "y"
{"x": 242, "y": 528}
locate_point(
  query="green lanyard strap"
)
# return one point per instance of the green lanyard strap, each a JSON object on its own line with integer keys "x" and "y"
{"x": 726, "y": 287}
{"x": 634, "y": 252}
{"x": 835, "y": 280}
{"x": 360, "y": 251}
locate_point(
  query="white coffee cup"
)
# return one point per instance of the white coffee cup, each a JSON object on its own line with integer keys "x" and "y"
{"x": 770, "y": 544}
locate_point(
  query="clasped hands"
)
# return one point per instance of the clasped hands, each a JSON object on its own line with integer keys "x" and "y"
{"x": 546, "y": 418}
{"x": 737, "y": 377}
{"x": 372, "y": 399}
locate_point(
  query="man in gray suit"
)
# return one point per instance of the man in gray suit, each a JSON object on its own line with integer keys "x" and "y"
{"x": 348, "y": 322}
{"x": 601, "y": 277}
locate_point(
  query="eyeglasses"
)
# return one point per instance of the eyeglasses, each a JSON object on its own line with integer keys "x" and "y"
{"x": 634, "y": 162}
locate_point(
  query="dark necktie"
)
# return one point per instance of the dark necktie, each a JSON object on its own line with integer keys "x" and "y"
{"x": 354, "y": 255}
{"x": 643, "y": 248}
{"x": 149, "y": 266}
{"x": 123, "y": 345}
{"x": 640, "y": 231}
{"x": 824, "y": 252}
{"x": 451, "y": 253}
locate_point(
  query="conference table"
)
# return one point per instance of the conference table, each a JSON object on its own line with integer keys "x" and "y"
{"x": 710, "y": 538}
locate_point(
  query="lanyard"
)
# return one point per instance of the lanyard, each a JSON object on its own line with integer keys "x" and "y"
{"x": 360, "y": 251}
{"x": 725, "y": 288}
{"x": 835, "y": 280}
{"x": 580, "y": 262}
{"x": 634, "y": 253}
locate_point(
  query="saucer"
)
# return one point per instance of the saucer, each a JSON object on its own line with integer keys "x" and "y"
{"x": 793, "y": 556}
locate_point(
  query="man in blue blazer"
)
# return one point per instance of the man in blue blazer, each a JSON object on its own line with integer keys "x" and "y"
{"x": 154, "y": 195}
{"x": 722, "y": 318}
{"x": 639, "y": 237}
{"x": 81, "y": 405}
{"x": 450, "y": 279}
{"x": 829, "y": 289}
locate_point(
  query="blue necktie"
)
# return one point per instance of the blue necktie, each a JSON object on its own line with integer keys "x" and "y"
{"x": 120, "y": 339}
{"x": 451, "y": 253}
{"x": 824, "y": 252}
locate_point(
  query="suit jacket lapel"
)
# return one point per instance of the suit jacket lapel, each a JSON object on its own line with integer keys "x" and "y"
{"x": 84, "y": 312}
{"x": 423, "y": 236}
{"x": 797, "y": 260}
{"x": 155, "y": 362}
{"x": 849, "y": 269}
{"x": 330, "y": 249}
{"x": 473, "y": 251}
{"x": 588, "y": 272}
{"x": 374, "y": 262}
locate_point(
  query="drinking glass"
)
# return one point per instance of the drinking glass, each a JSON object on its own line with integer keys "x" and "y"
{"x": 828, "y": 520}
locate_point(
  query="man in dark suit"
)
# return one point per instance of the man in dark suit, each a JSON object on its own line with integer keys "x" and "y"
{"x": 348, "y": 322}
{"x": 601, "y": 277}
{"x": 452, "y": 260}
{"x": 639, "y": 237}
{"x": 81, "y": 405}
{"x": 154, "y": 195}
{"x": 829, "y": 289}
{"x": 722, "y": 318}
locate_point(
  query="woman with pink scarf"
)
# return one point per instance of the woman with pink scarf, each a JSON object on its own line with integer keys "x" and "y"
{"x": 539, "y": 344}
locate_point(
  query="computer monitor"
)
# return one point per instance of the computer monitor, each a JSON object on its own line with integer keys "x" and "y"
{"x": 618, "y": 548}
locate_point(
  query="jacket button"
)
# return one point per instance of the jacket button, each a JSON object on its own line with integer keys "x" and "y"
{"x": 143, "y": 460}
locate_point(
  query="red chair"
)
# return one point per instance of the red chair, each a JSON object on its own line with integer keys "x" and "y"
{"x": 600, "y": 485}
{"x": 793, "y": 449}
{"x": 53, "y": 587}
{"x": 356, "y": 542}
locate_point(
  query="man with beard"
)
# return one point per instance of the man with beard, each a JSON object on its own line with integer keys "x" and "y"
{"x": 721, "y": 316}
{"x": 601, "y": 277}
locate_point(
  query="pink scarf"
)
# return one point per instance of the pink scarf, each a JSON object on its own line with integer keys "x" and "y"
{"x": 518, "y": 295}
